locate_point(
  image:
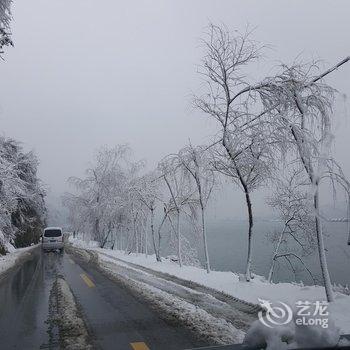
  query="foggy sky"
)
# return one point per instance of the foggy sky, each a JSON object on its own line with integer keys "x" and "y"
{"x": 89, "y": 73}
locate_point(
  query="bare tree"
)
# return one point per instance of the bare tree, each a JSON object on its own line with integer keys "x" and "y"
{"x": 147, "y": 191}
{"x": 103, "y": 196}
{"x": 248, "y": 170}
{"x": 167, "y": 210}
{"x": 197, "y": 164}
{"x": 300, "y": 105}
{"x": 294, "y": 105}
{"x": 291, "y": 198}
{"x": 230, "y": 100}
{"x": 180, "y": 191}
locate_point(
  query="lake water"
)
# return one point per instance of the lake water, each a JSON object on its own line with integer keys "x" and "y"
{"x": 227, "y": 242}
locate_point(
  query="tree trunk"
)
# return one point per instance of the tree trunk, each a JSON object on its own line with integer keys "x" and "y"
{"x": 275, "y": 253}
{"x": 207, "y": 262}
{"x": 115, "y": 243}
{"x": 248, "y": 202}
{"x": 153, "y": 236}
{"x": 306, "y": 161}
{"x": 120, "y": 240}
{"x": 177, "y": 221}
{"x": 97, "y": 231}
{"x": 178, "y": 238}
{"x": 146, "y": 242}
{"x": 136, "y": 238}
{"x": 250, "y": 233}
{"x": 160, "y": 236}
{"x": 117, "y": 240}
{"x": 97, "y": 224}
{"x": 104, "y": 239}
{"x": 321, "y": 248}
{"x": 128, "y": 241}
{"x": 272, "y": 268}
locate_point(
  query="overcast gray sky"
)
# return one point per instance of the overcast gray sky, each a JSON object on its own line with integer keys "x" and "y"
{"x": 88, "y": 73}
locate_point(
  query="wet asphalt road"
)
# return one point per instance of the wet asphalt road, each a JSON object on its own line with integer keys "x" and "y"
{"x": 115, "y": 319}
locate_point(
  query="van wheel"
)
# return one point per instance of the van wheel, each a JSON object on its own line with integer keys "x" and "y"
{"x": 61, "y": 250}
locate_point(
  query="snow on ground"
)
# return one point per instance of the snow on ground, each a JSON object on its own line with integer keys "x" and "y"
{"x": 205, "y": 325}
{"x": 9, "y": 260}
{"x": 64, "y": 313}
{"x": 229, "y": 283}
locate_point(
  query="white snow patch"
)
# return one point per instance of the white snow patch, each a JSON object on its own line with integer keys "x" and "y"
{"x": 216, "y": 329}
{"x": 72, "y": 329}
{"x": 291, "y": 336}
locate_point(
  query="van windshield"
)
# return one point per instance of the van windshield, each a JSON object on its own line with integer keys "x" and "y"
{"x": 52, "y": 233}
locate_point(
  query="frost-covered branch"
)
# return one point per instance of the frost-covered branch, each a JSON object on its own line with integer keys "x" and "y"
{"x": 5, "y": 18}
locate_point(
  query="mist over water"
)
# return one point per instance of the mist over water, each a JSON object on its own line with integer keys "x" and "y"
{"x": 227, "y": 241}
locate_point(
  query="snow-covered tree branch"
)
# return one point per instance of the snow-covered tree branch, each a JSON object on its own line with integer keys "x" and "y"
{"x": 5, "y": 18}
{"x": 22, "y": 207}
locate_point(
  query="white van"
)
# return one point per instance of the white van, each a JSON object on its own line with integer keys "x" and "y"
{"x": 52, "y": 239}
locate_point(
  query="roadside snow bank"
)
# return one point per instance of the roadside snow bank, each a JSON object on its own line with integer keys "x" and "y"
{"x": 229, "y": 283}
{"x": 11, "y": 259}
{"x": 64, "y": 314}
{"x": 203, "y": 324}
{"x": 72, "y": 328}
